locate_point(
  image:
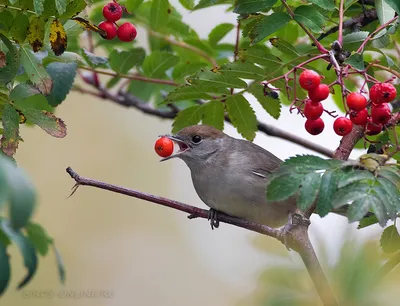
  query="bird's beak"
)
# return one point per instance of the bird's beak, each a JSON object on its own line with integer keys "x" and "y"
{"x": 183, "y": 146}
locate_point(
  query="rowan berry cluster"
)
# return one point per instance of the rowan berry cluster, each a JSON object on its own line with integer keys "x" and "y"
{"x": 112, "y": 12}
{"x": 380, "y": 95}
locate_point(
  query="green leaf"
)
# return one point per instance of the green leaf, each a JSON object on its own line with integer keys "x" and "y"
{"x": 216, "y": 80}
{"x": 39, "y": 238}
{"x": 267, "y": 26}
{"x": 133, "y": 5}
{"x": 6, "y": 20}
{"x": 367, "y": 221}
{"x": 187, "y": 4}
{"x": 363, "y": 204}
{"x": 61, "y": 6}
{"x": 308, "y": 163}
{"x": 157, "y": 63}
{"x": 63, "y": 75}
{"x": 10, "y": 137}
{"x": 242, "y": 116}
{"x": 390, "y": 240}
{"x": 213, "y": 114}
{"x": 309, "y": 16}
{"x": 187, "y": 92}
{"x": 394, "y": 4}
{"x": 384, "y": 11}
{"x": 219, "y": 32}
{"x": 189, "y": 116}
{"x": 23, "y": 91}
{"x": 386, "y": 201}
{"x": 13, "y": 55}
{"x": 391, "y": 175}
{"x": 356, "y": 60}
{"x": 19, "y": 28}
{"x": 327, "y": 190}
{"x": 257, "y": 56}
{"x": 242, "y": 70}
{"x": 392, "y": 193}
{"x": 37, "y": 101}
{"x": 60, "y": 264}
{"x": 184, "y": 69}
{"x": 272, "y": 106}
{"x": 388, "y": 60}
{"x": 4, "y": 268}
{"x": 47, "y": 121}
{"x": 26, "y": 248}
{"x": 35, "y": 71}
{"x": 73, "y": 7}
{"x": 95, "y": 61}
{"x": 159, "y": 13}
{"x": 252, "y": 6}
{"x": 353, "y": 176}
{"x": 207, "y": 3}
{"x": 39, "y": 6}
{"x": 328, "y": 5}
{"x": 123, "y": 61}
{"x": 282, "y": 187}
{"x": 353, "y": 40}
{"x": 284, "y": 47}
{"x": 309, "y": 190}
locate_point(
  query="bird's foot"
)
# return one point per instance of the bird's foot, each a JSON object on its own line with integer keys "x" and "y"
{"x": 294, "y": 220}
{"x": 213, "y": 218}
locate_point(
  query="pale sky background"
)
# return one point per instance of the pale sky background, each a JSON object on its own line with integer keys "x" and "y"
{"x": 141, "y": 253}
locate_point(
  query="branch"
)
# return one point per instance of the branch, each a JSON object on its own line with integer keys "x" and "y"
{"x": 297, "y": 237}
{"x": 128, "y": 100}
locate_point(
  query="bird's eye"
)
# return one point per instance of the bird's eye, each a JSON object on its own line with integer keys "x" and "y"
{"x": 196, "y": 139}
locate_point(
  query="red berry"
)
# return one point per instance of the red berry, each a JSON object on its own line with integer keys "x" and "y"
{"x": 127, "y": 32}
{"x": 110, "y": 29}
{"x": 309, "y": 79}
{"x": 356, "y": 101}
{"x": 359, "y": 118}
{"x": 382, "y": 93}
{"x": 315, "y": 127}
{"x": 164, "y": 147}
{"x": 373, "y": 128}
{"x": 342, "y": 126}
{"x": 112, "y": 11}
{"x": 380, "y": 113}
{"x": 313, "y": 110}
{"x": 321, "y": 92}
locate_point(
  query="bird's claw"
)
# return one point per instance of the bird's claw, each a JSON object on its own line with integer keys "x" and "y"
{"x": 285, "y": 232}
{"x": 213, "y": 218}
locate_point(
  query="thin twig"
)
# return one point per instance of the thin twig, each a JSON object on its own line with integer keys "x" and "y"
{"x": 341, "y": 12}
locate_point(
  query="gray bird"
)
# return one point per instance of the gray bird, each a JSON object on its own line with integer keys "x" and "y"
{"x": 230, "y": 175}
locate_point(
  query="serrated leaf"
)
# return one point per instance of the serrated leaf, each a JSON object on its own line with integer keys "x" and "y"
{"x": 272, "y": 106}
{"x": 157, "y": 63}
{"x": 19, "y": 28}
{"x": 384, "y": 11}
{"x": 367, "y": 221}
{"x": 327, "y": 190}
{"x": 73, "y": 7}
{"x": 216, "y": 80}
{"x": 213, "y": 114}
{"x": 391, "y": 175}
{"x": 252, "y": 6}
{"x": 328, "y": 5}
{"x": 390, "y": 240}
{"x": 187, "y": 4}
{"x": 39, "y": 6}
{"x": 353, "y": 40}
{"x": 257, "y": 56}
{"x": 63, "y": 75}
{"x": 392, "y": 192}
{"x": 35, "y": 71}
{"x": 184, "y": 69}
{"x": 187, "y": 92}
{"x": 36, "y": 33}
{"x": 123, "y": 61}
{"x": 13, "y": 56}
{"x": 386, "y": 201}
{"x": 94, "y": 61}
{"x": 61, "y": 6}
{"x": 159, "y": 13}
{"x": 282, "y": 187}
{"x": 353, "y": 176}
{"x": 23, "y": 91}
{"x": 267, "y": 26}
{"x": 309, "y": 16}
{"x": 363, "y": 204}
{"x": 356, "y": 60}
{"x": 242, "y": 70}
{"x": 189, "y": 116}
{"x": 10, "y": 137}
{"x": 284, "y": 47}
{"x": 242, "y": 116}
{"x": 4, "y": 268}
{"x": 207, "y": 3}
{"x": 47, "y": 121}
{"x": 308, "y": 163}
{"x": 39, "y": 238}
{"x": 219, "y": 32}
{"x": 27, "y": 251}
{"x": 58, "y": 37}
{"x": 309, "y": 190}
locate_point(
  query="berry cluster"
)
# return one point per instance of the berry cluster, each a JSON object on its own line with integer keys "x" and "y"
{"x": 112, "y": 12}
{"x": 380, "y": 95}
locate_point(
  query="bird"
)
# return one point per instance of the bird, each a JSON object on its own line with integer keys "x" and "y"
{"x": 230, "y": 175}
